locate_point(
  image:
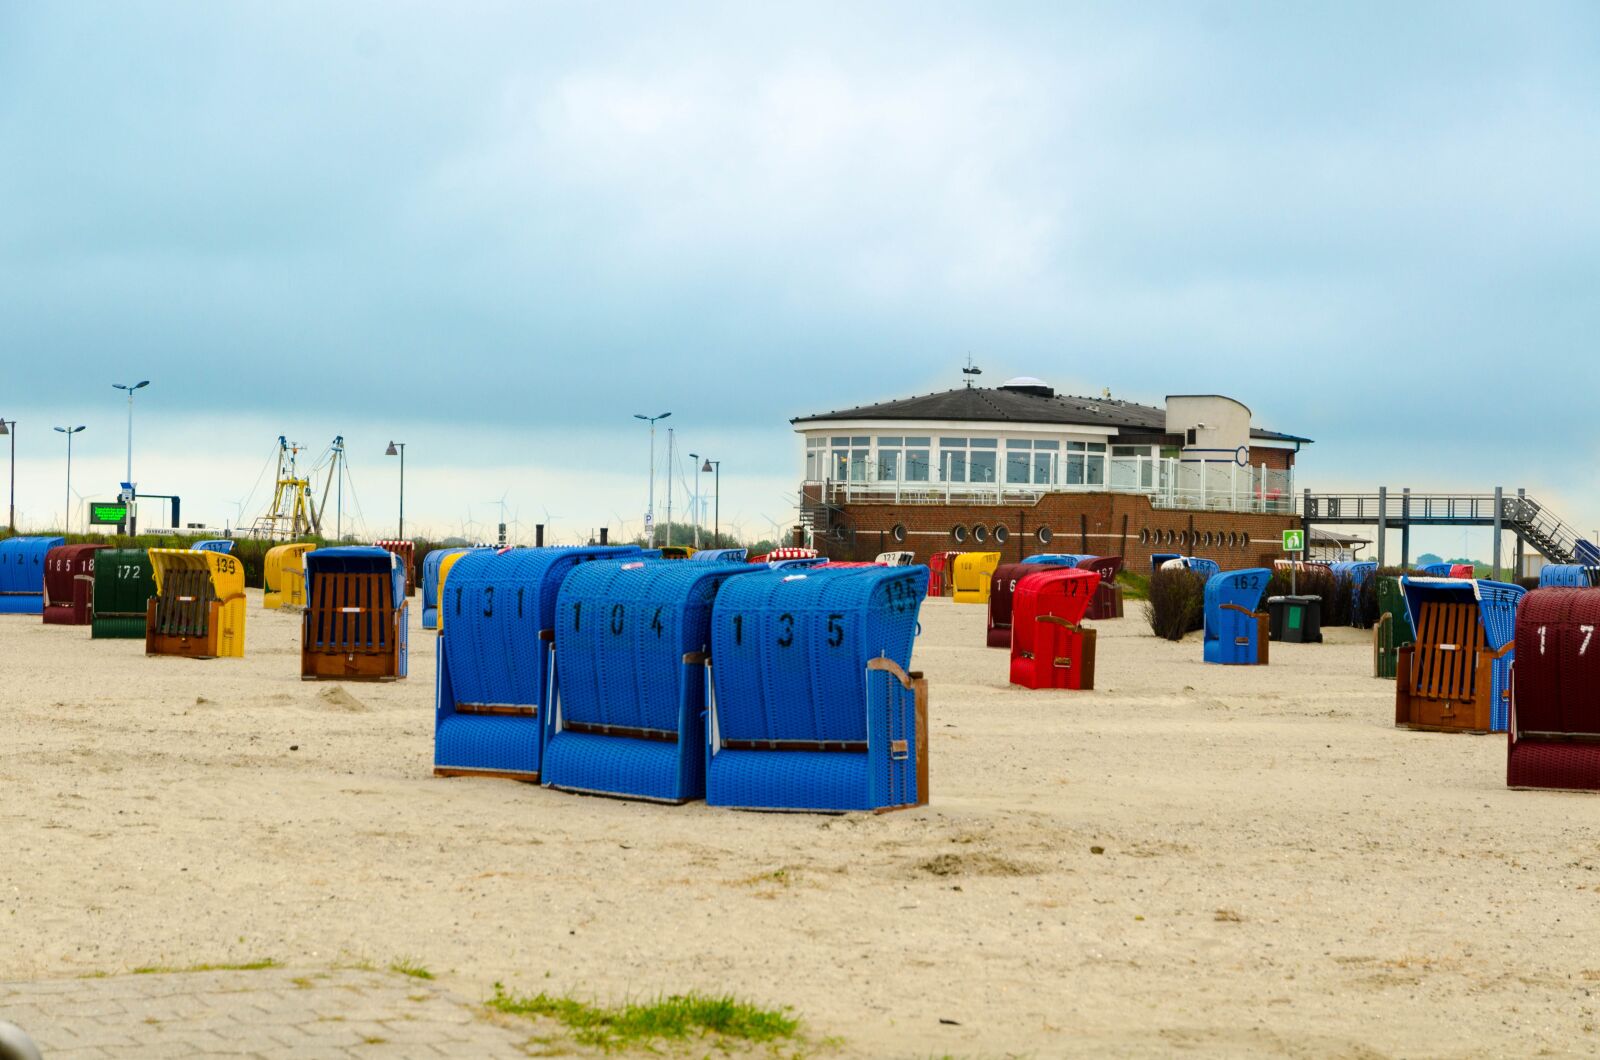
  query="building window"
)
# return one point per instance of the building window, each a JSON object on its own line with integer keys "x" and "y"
{"x": 1031, "y": 461}
{"x": 1132, "y": 467}
{"x": 1086, "y": 463}
{"x": 917, "y": 459}
{"x": 888, "y": 465}
{"x": 816, "y": 459}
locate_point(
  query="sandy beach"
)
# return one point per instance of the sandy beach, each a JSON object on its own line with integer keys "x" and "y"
{"x": 1190, "y": 859}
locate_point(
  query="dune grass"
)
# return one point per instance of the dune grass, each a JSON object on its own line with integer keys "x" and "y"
{"x": 675, "y": 1017}
{"x": 412, "y": 968}
{"x": 247, "y": 966}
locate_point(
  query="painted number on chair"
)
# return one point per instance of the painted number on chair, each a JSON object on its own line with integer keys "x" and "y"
{"x": 835, "y": 630}
{"x": 1588, "y": 632}
{"x": 786, "y": 620}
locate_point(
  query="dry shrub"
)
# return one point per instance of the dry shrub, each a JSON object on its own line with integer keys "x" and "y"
{"x": 1177, "y": 603}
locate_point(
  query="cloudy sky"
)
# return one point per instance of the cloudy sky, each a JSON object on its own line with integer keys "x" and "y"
{"x": 496, "y": 231}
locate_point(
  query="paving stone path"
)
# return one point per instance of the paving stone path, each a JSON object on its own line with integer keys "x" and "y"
{"x": 268, "y": 1013}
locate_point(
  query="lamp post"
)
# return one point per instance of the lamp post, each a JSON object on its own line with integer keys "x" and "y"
{"x": 69, "y": 432}
{"x": 650, "y": 510}
{"x": 127, "y": 518}
{"x": 399, "y": 449}
{"x": 696, "y": 458}
{"x": 5, "y": 428}
{"x": 716, "y": 526}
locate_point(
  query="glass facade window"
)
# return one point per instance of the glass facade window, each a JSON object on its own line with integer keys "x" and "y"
{"x": 953, "y": 465}
{"x": 917, "y": 466}
{"x": 1031, "y": 461}
{"x": 888, "y": 465}
{"x": 981, "y": 465}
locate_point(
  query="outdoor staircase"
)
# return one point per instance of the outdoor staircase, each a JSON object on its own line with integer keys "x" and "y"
{"x": 818, "y": 517}
{"x": 1554, "y": 539}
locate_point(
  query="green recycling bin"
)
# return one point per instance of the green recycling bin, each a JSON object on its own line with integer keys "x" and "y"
{"x": 1295, "y": 619}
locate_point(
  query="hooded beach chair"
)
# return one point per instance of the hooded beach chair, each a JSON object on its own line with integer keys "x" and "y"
{"x": 1554, "y": 721}
{"x": 1161, "y": 559}
{"x": 283, "y": 576}
{"x": 215, "y": 544}
{"x": 939, "y": 572}
{"x": 1058, "y": 559}
{"x": 721, "y": 555}
{"x": 1236, "y": 632}
{"x": 896, "y": 559}
{"x": 430, "y": 584}
{"x": 971, "y": 576}
{"x": 407, "y": 551}
{"x": 124, "y": 582}
{"x": 446, "y": 565}
{"x": 1393, "y": 629}
{"x": 1050, "y": 645}
{"x": 355, "y": 624}
{"x": 1456, "y": 676}
{"x": 198, "y": 611}
{"x": 814, "y": 706}
{"x": 22, "y": 573}
{"x": 628, "y": 701}
{"x": 69, "y": 584}
{"x": 497, "y": 630}
{"x": 1568, "y": 576}
{"x": 1107, "y": 602}
{"x": 1436, "y": 570}
{"x": 1002, "y": 595}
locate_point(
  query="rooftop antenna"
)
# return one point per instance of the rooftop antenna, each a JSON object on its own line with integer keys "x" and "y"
{"x": 971, "y": 370}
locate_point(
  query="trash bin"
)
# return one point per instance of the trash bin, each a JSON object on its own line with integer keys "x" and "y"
{"x": 1295, "y": 619}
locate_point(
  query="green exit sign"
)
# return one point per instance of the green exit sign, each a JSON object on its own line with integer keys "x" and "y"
{"x": 1294, "y": 540}
{"x": 107, "y": 513}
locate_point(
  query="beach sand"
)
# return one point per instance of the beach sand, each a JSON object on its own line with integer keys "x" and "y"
{"x": 1283, "y": 872}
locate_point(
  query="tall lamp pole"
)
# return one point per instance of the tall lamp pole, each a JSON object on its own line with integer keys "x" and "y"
{"x": 716, "y": 526}
{"x": 5, "y": 428}
{"x": 650, "y": 510}
{"x": 69, "y": 432}
{"x": 127, "y": 518}
{"x": 399, "y": 449}
{"x": 696, "y": 458}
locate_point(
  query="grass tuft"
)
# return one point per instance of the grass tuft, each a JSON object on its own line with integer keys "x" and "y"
{"x": 676, "y": 1017}
{"x": 248, "y": 966}
{"x": 412, "y": 968}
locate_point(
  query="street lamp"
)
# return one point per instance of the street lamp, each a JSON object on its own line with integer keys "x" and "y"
{"x": 399, "y": 449}
{"x": 696, "y": 458}
{"x": 127, "y": 518}
{"x": 5, "y": 428}
{"x": 650, "y": 511}
{"x": 716, "y": 526}
{"x": 69, "y": 432}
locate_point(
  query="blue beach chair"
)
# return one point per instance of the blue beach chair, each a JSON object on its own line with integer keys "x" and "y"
{"x": 814, "y": 707}
{"x": 1439, "y": 683}
{"x": 1060, "y": 559}
{"x": 216, "y": 544}
{"x": 22, "y": 565}
{"x": 494, "y": 658}
{"x": 627, "y": 713}
{"x": 1236, "y": 633}
{"x": 430, "y": 584}
{"x": 1568, "y": 576}
{"x": 720, "y": 555}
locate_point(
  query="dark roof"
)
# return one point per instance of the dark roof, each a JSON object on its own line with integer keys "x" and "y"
{"x": 1018, "y": 405}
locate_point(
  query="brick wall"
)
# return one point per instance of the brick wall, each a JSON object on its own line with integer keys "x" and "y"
{"x": 1276, "y": 459}
{"x": 1102, "y": 524}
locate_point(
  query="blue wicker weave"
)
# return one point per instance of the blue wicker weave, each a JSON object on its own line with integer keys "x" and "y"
{"x": 1568, "y": 576}
{"x": 22, "y": 573}
{"x": 1436, "y": 570}
{"x": 493, "y": 664}
{"x": 216, "y": 544}
{"x": 789, "y": 653}
{"x": 430, "y": 585}
{"x": 720, "y": 555}
{"x": 1233, "y": 638}
{"x": 1064, "y": 559}
{"x": 1497, "y": 605}
{"x": 627, "y": 713}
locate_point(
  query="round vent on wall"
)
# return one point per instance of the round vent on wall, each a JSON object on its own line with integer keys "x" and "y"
{"x": 959, "y": 533}
{"x": 898, "y": 533}
{"x": 1002, "y": 533}
{"x": 1044, "y": 535}
{"x": 980, "y": 533}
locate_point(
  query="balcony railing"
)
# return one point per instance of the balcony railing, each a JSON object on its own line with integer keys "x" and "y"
{"x": 1170, "y": 484}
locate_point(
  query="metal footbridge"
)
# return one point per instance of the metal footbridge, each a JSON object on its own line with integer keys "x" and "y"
{"x": 1517, "y": 513}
